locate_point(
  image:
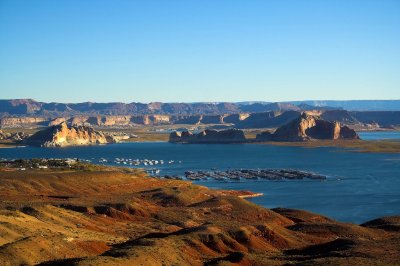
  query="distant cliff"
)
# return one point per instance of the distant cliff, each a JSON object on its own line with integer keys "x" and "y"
{"x": 61, "y": 135}
{"x": 308, "y": 127}
{"x": 30, "y": 107}
{"x": 29, "y": 113}
{"x": 269, "y": 119}
{"x": 208, "y": 136}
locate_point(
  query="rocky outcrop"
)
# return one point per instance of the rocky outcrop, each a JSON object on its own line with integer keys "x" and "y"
{"x": 3, "y": 135}
{"x": 307, "y": 127}
{"x": 61, "y": 135}
{"x": 181, "y": 137}
{"x": 14, "y": 137}
{"x": 209, "y": 136}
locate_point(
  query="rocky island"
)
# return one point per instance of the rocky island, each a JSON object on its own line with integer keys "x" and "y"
{"x": 62, "y": 135}
{"x": 308, "y": 127}
{"x": 208, "y": 136}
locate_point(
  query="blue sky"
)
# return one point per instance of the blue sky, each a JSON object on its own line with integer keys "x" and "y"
{"x": 186, "y": 51}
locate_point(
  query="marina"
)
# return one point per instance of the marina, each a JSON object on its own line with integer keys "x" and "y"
{"x": 251, "y": 174}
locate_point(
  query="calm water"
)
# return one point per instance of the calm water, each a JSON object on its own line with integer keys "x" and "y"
{"x": 377, "y": 135}
{"x": 360, "y": 186}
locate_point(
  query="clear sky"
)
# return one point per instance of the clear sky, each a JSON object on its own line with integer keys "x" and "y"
{"x": 209, "y": 50}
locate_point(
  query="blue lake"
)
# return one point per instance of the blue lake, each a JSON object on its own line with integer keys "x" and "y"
{"x": 379, "y": 135}
{"x": 360, "y": 186}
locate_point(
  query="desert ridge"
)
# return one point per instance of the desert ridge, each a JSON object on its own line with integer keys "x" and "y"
{"x": 101, "y": 215}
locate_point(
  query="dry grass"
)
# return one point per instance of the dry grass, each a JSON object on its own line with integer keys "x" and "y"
{"x": 149, "y": 137}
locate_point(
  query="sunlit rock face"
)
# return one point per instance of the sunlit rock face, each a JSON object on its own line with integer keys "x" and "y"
{"x": 61, "y": 135}
{"x": 308, "y": 127}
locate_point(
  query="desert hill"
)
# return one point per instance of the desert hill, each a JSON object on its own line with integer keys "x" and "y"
{"x": 101, "y": 216}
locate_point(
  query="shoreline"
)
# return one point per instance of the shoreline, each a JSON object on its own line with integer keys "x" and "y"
{"x": 254, "y": 195}
{"x": 371, "y": 146}
{"x": 365, "y": 146}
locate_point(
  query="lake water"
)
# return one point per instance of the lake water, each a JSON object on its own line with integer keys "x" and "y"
{"x": 379, "y": 135}
{"x": 360, "y": 186}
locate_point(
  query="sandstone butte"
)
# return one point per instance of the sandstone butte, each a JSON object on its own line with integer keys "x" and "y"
{"x": 116, "y": 217}
{"x": 62, "y": 135}
{"x": 308, "y": 127}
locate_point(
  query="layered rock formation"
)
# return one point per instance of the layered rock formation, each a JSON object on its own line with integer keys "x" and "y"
{"x": 8, "y": 122}
{"x": 209, "y": 136}
{"x": 31, "y": 107}
{"x": 271, "y": 119}
{"x": 308, "y": 127}
{"x": 61, "y": 135}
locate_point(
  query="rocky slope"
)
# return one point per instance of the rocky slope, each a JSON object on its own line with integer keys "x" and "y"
{"x": 208, "y": 136}
{"x": 383, "y": 118}
{"x": 267, "y": 119}
{"x": 112, "y": 217}
{"x": 62, "y": 135}
{"x": 308, "y": 127}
